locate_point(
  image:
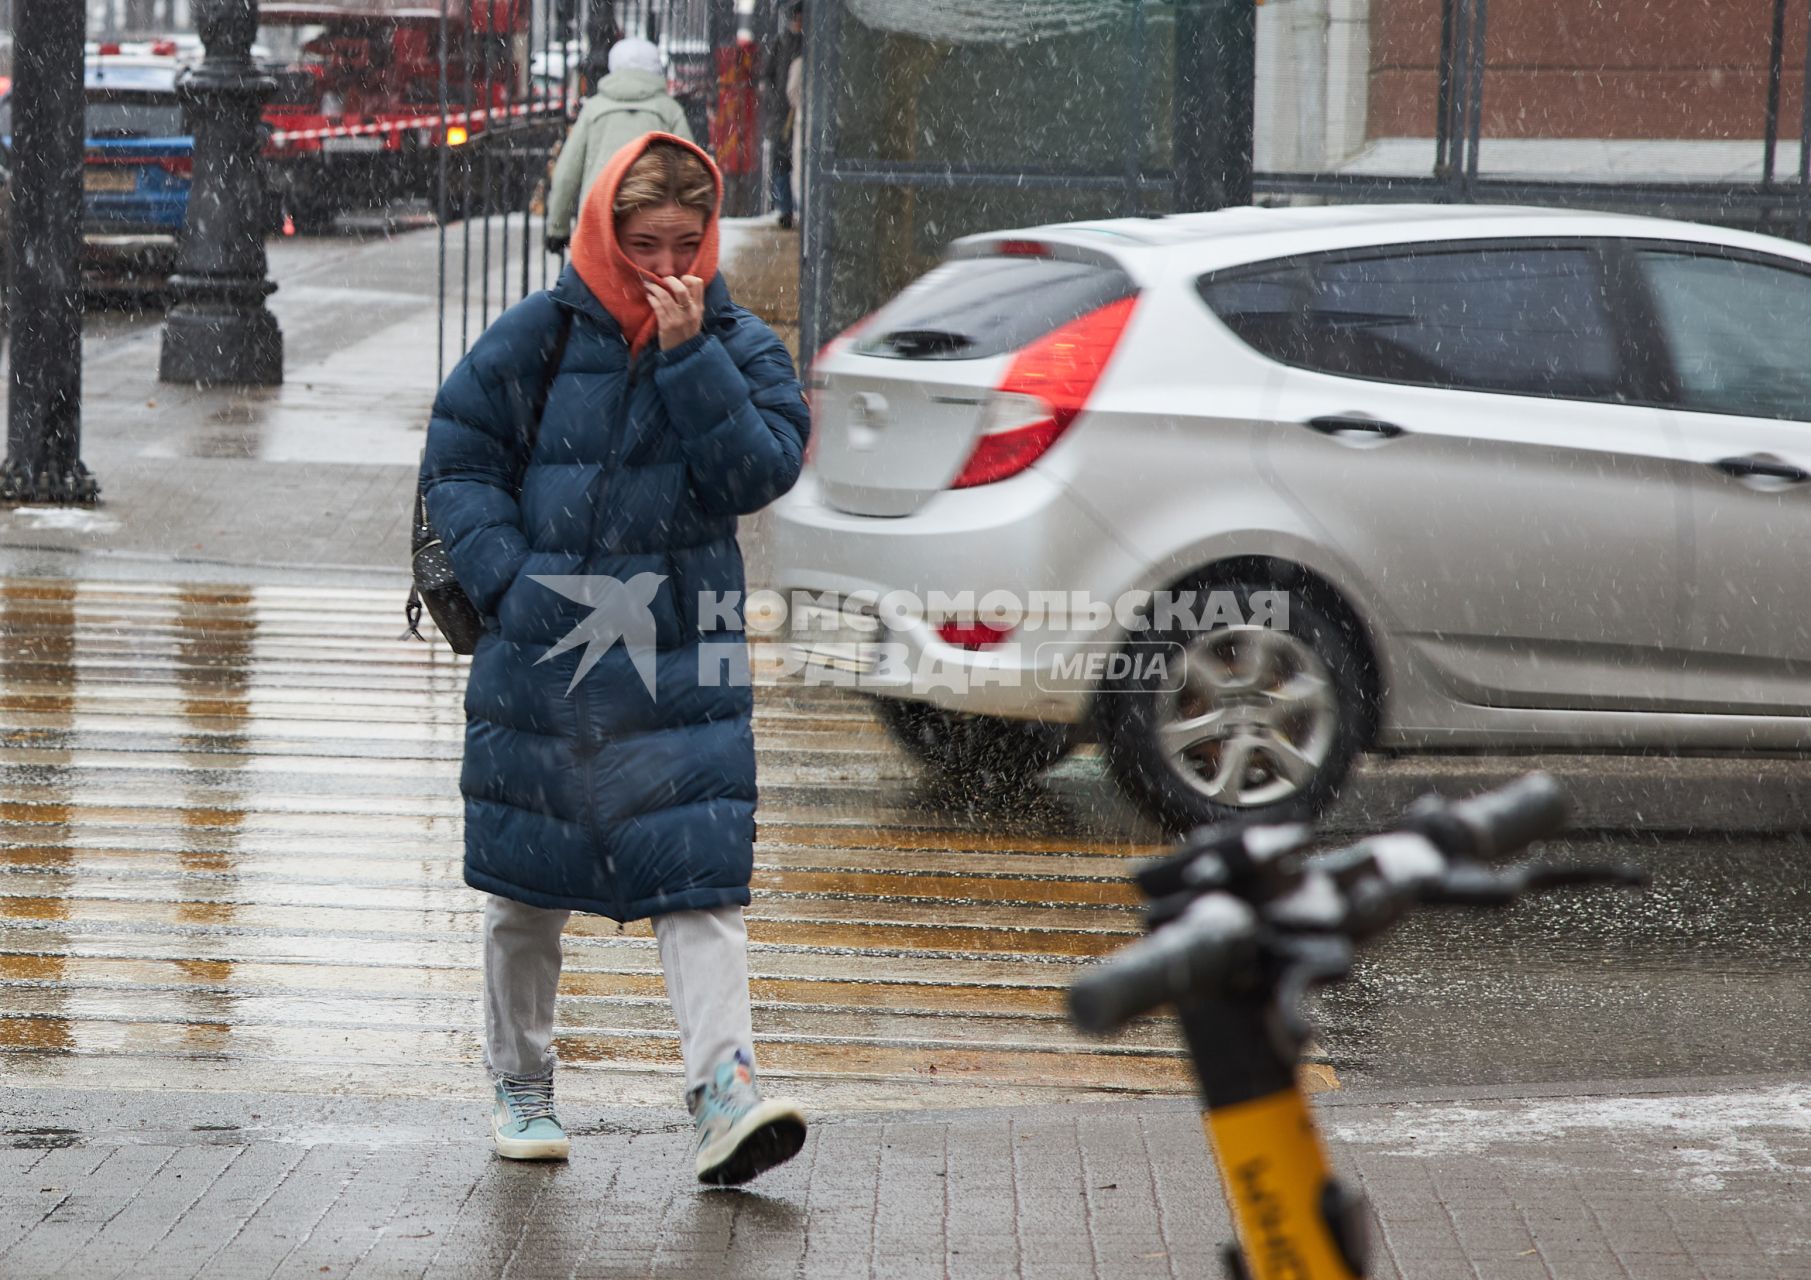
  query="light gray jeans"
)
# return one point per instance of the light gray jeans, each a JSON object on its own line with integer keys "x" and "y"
{"x": 704, "y": 955}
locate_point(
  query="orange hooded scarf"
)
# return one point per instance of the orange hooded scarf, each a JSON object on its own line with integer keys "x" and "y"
{"x": 599, "y": 259}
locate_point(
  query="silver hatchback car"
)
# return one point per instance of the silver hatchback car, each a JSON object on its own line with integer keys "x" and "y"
{"x": 1242, "y": 494}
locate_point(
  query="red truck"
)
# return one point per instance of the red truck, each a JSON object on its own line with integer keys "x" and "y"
{"x": 356, "y": 120}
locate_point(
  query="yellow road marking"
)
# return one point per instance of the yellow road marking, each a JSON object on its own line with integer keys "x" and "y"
{"x": 229, "y": 831}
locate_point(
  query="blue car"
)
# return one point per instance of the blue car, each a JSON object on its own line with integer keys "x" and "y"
{"x": 138, "y": 170}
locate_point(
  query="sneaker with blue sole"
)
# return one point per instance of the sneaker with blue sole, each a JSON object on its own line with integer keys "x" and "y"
{"x": 523, "y": 1124}
{"x": 738, "y": 1133}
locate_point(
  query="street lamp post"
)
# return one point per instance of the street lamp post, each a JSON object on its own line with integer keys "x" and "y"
{"x": 220, "y": 330}
{"x": 44, "y": 411}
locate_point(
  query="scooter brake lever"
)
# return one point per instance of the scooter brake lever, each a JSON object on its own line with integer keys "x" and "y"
{"x": 1472, "y": 884}
{"x": 1306, "y": 962}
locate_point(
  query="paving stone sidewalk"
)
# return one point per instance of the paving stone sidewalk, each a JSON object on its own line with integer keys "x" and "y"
{"x": 1707, "y": 1185}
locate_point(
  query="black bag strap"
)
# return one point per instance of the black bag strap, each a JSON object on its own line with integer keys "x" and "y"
{"x": 549, "y": 371}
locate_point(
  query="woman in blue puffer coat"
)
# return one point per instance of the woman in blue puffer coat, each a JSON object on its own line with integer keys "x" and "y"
{"x": 609, "y": 759}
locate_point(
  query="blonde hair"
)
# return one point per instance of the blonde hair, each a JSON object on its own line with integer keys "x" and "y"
{"x": 666, "y": 174}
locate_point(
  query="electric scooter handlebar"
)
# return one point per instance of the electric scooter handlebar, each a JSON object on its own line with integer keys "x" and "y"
{"x": 1243, "y": 921}
{"x": 1214, "y": 937}
{"x": 1498, "y": 822}
{"x": 1253, "y": 892}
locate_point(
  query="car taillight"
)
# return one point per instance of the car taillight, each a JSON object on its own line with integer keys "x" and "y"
{"x": 837, "y": 344}
{"x": 1044, "y": 391}
{"x": 841, "y": 341}
{"x": 972, "y": 635}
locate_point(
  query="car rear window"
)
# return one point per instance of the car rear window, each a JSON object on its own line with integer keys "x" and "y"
{"x": 135, "y": 115}
{"x": 973, "y": 308}
{"x": 1526, "y": 321}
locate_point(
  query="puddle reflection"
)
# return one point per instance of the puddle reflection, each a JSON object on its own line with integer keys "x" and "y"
{"x": 38, "y": 649}
{"x": 216, "y": 633}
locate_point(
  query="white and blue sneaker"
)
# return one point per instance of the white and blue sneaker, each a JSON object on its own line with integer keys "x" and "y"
{"x": 738, "y": 1134}
{"x": 522, "y": 1122}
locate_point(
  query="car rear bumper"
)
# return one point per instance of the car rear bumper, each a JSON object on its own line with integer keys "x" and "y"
{"x": 129, "y": 253}
{"x": 350, "y": 180}
{"x": 1025, "y": 540}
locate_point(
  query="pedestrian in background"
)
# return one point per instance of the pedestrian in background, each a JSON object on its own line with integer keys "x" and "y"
{"x": 782, "y": 111}
{"x": 624, "y": 789}
{"x": 631, "y": 101}
{"x": 795, "y": 94}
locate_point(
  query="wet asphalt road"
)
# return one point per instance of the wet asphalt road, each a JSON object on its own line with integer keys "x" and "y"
{"x": 229, "y": 858}
{"x": 1702, "y": 974}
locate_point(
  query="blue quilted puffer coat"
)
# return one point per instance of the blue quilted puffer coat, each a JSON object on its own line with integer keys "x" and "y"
{"x": 600, "y": 796}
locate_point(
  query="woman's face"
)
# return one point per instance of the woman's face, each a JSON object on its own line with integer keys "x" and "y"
{"x": 662, "y": 240}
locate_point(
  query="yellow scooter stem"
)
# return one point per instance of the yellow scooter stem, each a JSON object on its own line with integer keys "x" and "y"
{"x": 1275, "y": 1175}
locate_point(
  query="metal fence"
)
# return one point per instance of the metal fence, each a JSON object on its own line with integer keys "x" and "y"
{"x": 1619, "y": 133}
{"x": 487, "y": 190}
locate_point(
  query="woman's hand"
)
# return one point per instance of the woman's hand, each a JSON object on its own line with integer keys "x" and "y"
{"x": 678, "y": 309}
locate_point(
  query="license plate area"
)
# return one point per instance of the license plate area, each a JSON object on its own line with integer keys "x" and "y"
{"x": 829, "y": 631}
{"x": 109, "y": 179}
{"x": 351, "y": 146}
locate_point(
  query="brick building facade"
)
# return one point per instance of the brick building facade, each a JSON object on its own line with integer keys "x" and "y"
{"x": 1594, "y": 68}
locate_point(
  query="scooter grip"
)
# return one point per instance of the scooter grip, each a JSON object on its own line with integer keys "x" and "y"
{"x": 1190, "y": 956}
{"x": 1509, "y": 819}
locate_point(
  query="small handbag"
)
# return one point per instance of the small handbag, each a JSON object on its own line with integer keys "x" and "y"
{"x": 435, "y": 585}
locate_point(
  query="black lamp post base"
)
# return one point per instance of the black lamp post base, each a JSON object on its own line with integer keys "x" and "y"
{"x": 76, "y": 484}
{"x": 220, "y": 333}
{"x": 221, "y": 345}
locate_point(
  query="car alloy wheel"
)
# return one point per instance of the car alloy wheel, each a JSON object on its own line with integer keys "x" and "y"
{"x": 1255, "y": 718}
{"x": 1262, "y": 721}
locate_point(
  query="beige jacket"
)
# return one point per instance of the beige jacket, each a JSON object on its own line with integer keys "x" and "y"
{"x": 626, "y": 105}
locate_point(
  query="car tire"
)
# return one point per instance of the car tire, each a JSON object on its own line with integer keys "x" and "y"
{"x": 986, "y": 753}
{"x": 1266, "y": 723}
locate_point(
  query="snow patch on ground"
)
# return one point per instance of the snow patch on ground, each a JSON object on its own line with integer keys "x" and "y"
{"x": 65, "y": 519}
{"x": 1709, "y": 1135}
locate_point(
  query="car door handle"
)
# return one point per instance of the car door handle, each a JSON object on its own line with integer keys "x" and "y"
{"x": 1334, "y": 424}
{"x": 1761, "y": 466}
